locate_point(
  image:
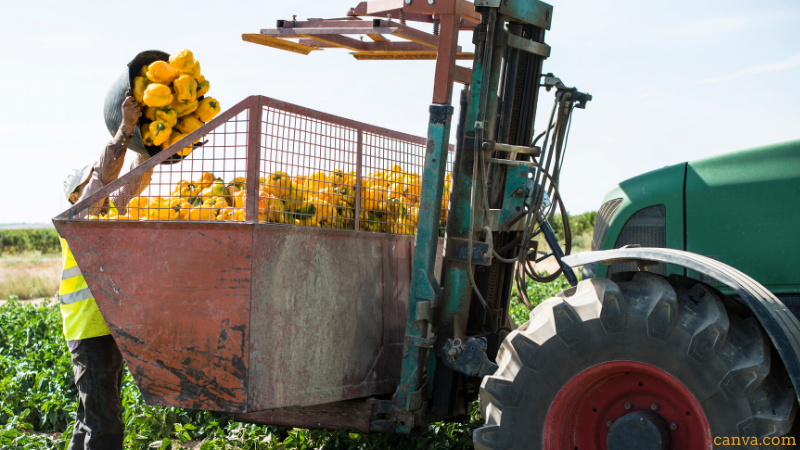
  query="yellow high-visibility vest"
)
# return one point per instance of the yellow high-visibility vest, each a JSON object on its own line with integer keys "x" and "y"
{"x": 82, "y": 318}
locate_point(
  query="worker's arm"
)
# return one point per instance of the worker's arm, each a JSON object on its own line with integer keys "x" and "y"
{"x": 122, "y": 196}
{"x": 108, "y": 167}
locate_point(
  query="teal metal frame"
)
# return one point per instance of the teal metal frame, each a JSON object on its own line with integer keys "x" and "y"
{"x": 434, "y": 313}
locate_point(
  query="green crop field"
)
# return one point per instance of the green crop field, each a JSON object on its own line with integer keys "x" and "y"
{"x": 26, "y": 243}
{"x": 38, "y": 400}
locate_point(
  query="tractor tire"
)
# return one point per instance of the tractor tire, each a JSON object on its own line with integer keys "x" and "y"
{"x": 648, "y": 362}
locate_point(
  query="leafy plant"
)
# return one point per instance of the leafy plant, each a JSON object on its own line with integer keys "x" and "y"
{"x": 537, "y": 292}
{"x": 18, "y": 242}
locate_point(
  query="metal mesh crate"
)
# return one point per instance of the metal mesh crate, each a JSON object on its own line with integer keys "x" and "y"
{"x": 313, "y": 169}
{"x": 233, "y": 308}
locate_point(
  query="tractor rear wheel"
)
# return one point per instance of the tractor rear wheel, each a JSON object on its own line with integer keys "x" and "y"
{"x": 646, "y": 363}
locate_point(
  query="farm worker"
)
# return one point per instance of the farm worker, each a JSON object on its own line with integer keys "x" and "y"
{"x": 96, "y": 359}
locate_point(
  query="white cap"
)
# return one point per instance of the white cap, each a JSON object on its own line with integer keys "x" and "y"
{"x": 76, "y": 178}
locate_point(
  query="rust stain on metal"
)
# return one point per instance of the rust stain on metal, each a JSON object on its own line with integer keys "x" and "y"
{"x": 177, "y": 300}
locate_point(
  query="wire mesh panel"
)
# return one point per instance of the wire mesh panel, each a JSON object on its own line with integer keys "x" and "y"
{"x": 308, "y": 169}
{"x": 325, "y": 171}
{"x": 391, "y": 184}
{"x": 207, "y": 185}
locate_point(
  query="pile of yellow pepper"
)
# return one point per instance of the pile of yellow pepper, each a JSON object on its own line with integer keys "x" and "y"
{"x": 171, "y": 95}
{"x": 389, "y": 201}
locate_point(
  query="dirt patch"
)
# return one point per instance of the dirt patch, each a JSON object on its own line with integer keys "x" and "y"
{"x": 29, "y": 279}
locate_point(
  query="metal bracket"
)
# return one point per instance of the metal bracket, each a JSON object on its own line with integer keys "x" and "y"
{"x": 416, "y": 341}
{"x": 469, "y": 359}
{"x": 425, "y": 311}
{"x": 403, "y": 421}
{"x": 415, "y": 399}
{"x": 380, "y": 406}
{"x": 509, "y": 162}
{"x": 513, "y": 149}
{"x": 487, "y": 3}
{"x": 457, "y": 251}
{"x": 428, "y": 291}
{"x": 526, "y": 45}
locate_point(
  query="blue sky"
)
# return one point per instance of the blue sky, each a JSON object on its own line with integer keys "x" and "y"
{"x": 672, "y": 81}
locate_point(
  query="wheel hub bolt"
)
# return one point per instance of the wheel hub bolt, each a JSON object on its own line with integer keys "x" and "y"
{"x": 628, "y": 405}
{"x": 609, "y": 423}
{"x": 654, "y": 406}
{"x": 673, "y": 426}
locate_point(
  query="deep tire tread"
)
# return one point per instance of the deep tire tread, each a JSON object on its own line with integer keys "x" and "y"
{"x": 726, "y": 357}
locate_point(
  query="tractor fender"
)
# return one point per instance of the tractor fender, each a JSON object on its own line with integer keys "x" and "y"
{"x": 780, "y": 324}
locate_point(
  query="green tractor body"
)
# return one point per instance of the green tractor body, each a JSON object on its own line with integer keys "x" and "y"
{"x": 740, "y": 208}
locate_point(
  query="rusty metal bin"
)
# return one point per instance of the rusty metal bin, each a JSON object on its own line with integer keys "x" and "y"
{"x": 252, "y": 316}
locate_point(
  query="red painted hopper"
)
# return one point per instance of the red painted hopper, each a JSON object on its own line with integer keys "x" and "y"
{"x": 258, "y": 312}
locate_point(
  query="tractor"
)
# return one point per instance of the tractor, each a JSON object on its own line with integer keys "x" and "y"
{"x": 663, "y": 344}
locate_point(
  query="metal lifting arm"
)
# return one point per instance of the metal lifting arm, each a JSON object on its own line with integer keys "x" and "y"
{"x": 500, "y": 182}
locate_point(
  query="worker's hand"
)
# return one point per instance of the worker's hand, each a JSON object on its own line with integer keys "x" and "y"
{"x": 131, "y": 112}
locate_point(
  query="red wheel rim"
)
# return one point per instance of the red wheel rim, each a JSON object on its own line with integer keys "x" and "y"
{"x": 578, "y": 417}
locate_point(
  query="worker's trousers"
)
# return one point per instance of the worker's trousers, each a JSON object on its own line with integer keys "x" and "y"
{"x": 97, "y": 366}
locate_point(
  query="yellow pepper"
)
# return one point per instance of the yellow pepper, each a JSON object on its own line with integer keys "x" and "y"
{"x": 225, "y": 214}
{"x": 374, "y": 198}
{"x": 270, "y": 209}
{"x": 239, "y": 200}
{"x": 147, "y": 137}
{"x": 165, "y": 113}
{"x": 396, "y": 169}
{"x": 395, "y": 191}
{"x": 150, "y": 112}
{"x": 216, "y": 190}
{"x": 158, "y": 209}
{"x": 238, "y": 215}
{"x": 279, "y": 184}
{"x": 181, "y": 60}
{"x": 143, "y": 71}
{"x": 296, "y": 197}
{"x": 202, "y": 212}
{"x": 184, "y": 109}
{"x": 160, "y": 132}
{"x": 168, "y": 115}
{"x": 187, "y": 124}
{"x": 235, "y": 186}
{"x": 187, "y": 192}
{"x": 205, "y": 180}
{"x": 161, "y": 72}
{"x": 315, "y": 182}
{"x": 193, "y": 70}
{"x": 325, "y": 215}
{"x": 413, "y": 188}
{"x": 208, "y": 108}
{"x": 157, "y": 95}
{"x": 336, "y": 177}
{"x": 202, "y": 86}
{"x": 185, "y": 88}
{"x": 185, "y": 210}
{"x": 139, "y": 85}
{"x": 208, "y": 210}
{"x": 137, "y": 207}
{"x": 173, "y": 138}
